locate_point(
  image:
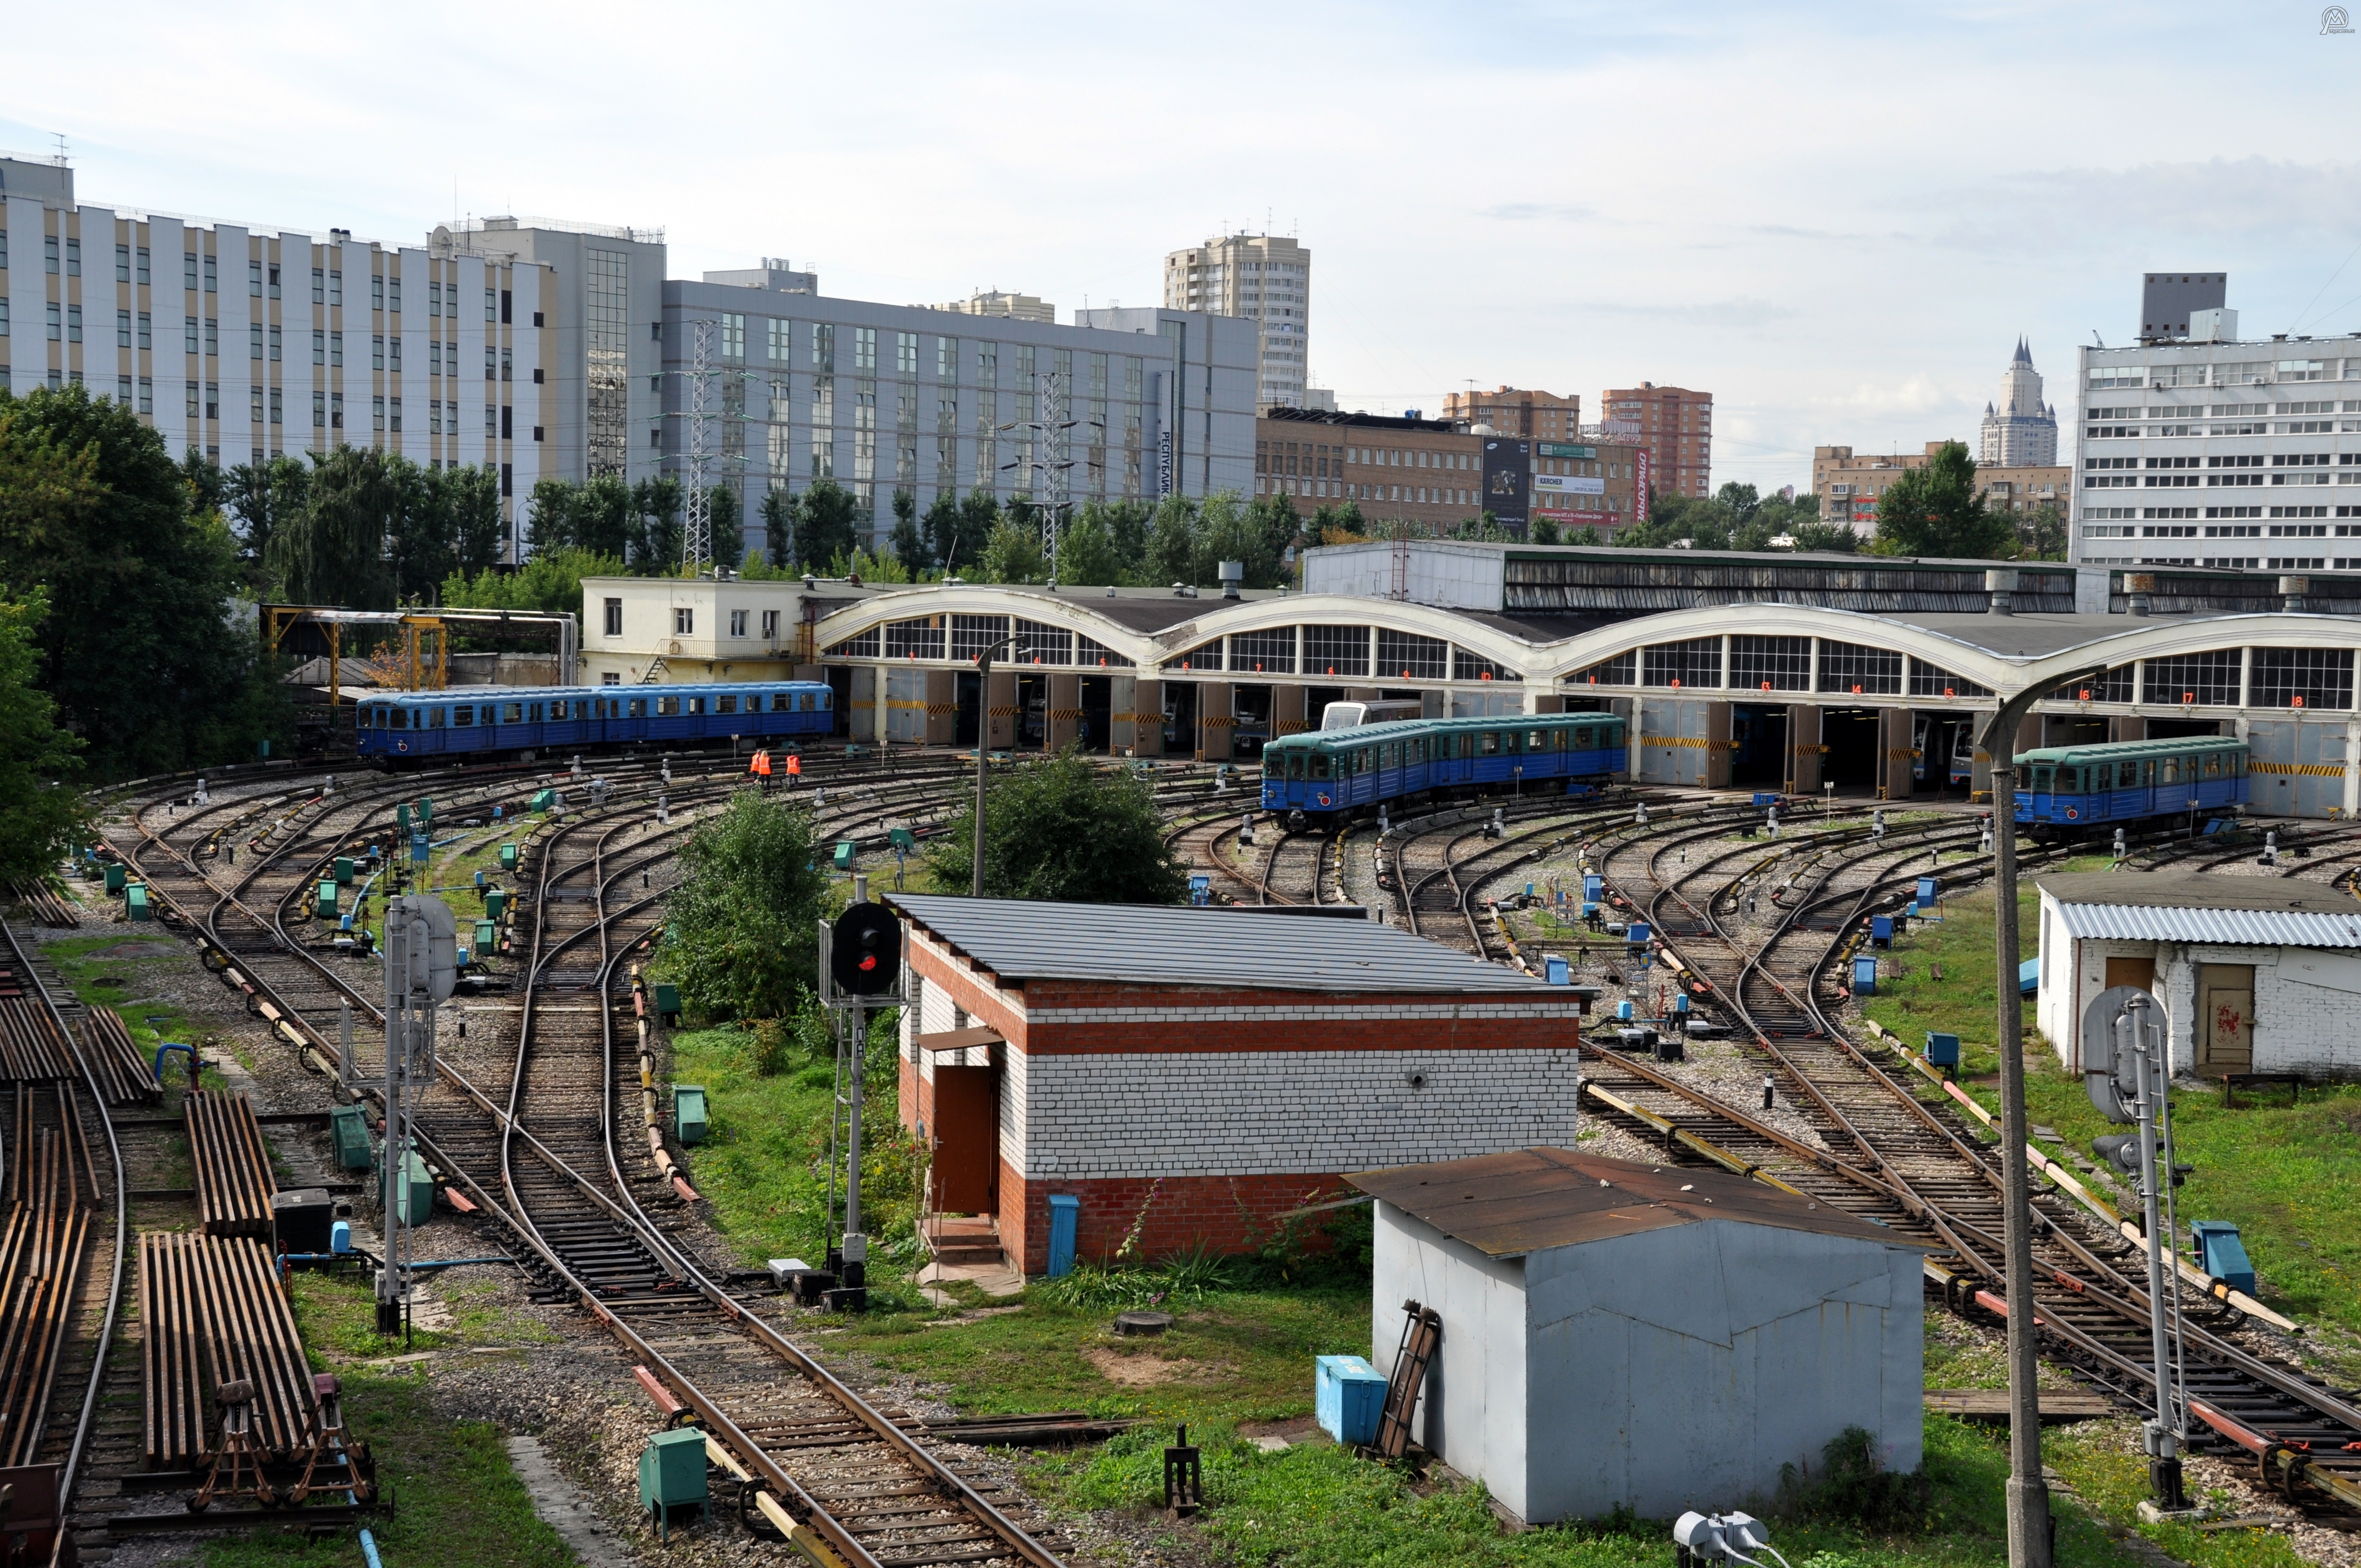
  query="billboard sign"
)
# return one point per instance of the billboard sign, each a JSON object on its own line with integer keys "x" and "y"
{"x": 1550, "y": 486}
{"x": 1639, "y": 480}
{"x": 1559, "y": 449}
{"x": 1508, "y": 481}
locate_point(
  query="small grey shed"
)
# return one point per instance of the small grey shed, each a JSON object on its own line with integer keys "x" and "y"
{"x": 1662, "y": 1338}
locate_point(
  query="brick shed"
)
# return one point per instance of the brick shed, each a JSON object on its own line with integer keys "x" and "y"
{"x": 1232, "y": 1063}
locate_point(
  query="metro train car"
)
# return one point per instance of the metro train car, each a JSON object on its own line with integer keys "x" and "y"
{"x": 2065, "y": 791}
{"x": 1315, "y": 777}
{"x": 485, "y": 721}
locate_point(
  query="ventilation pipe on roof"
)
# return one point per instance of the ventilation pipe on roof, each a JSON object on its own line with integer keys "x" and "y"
{"x": 2001, "y": 583}
{"x": 2137, "y": 587}
{"x": 2292, "y": 594}
{"x": 1233, "y": 572}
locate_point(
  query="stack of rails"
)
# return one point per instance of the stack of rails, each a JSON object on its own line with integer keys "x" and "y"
{"x": 213, "y": 1313}
{"x": 33, "y": 1049}
{"x": 232, "y": 1169}
{"x": 43, "y": 1239}
{"x": 47, "y": 906}
{"x": 123, "y": 1074}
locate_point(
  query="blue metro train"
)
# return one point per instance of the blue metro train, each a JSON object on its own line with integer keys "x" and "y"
{"x": 488, "y": 719}
{"x": 2065, "y": 791}
{"x": 1319, "y": 774}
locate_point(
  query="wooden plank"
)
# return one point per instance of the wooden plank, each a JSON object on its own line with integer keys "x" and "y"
{"x": 1991, "y": 1404}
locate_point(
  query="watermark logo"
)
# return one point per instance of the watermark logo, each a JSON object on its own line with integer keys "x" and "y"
{"x": 2336, "y": 19}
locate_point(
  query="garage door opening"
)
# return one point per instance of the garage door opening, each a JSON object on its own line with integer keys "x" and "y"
{"x": 1097, "y": 733}
{"x": 1850, "y": 736}
{"x": 1760, "y": 735}
{"x": 1945, "y": 747}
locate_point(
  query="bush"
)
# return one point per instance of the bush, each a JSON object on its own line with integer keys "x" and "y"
{"x": 1854, "y": 1488}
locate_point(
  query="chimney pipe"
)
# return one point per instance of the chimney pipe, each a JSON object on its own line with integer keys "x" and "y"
{"x": 2137, "y": 587}
{"x": 2001, "y": 583}
{"x": 2292, "y": 594}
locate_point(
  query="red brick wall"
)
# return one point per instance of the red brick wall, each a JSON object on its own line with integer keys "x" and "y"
{"x": 1228, "y": 1214}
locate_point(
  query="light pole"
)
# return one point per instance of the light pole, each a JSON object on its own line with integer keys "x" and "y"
{"x": 983, "y": 745}
{"x": 2029, "y": 1494}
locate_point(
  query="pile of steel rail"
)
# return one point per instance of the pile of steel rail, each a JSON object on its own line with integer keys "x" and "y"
{"x": 47, "y": 906}
{"x": 33, "y": 1049}
{"x": 232, "y": 1169}
{"x": 44, "y": 1236}
{"x": 213, "y": 1314}
{"x": 123, "y": 1074}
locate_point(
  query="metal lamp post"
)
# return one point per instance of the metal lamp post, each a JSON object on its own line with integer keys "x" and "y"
{"x": 2029, "y": 1521}
{"x": 983, "y": 745}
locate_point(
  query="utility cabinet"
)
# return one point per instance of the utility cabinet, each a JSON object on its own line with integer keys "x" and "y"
{"x": 689, "y": 1113}
{"x": 672, "y": 1475}
{"x": 349, "y": 1127}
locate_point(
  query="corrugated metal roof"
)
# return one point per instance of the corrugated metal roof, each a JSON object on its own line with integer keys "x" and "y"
{"x": 1510, "y": 1204}
{"x": 2160, "y": 907}
{"x": 1168, "y": 945}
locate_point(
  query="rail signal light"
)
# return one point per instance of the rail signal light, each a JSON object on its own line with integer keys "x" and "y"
{"x": 866, "y": 950}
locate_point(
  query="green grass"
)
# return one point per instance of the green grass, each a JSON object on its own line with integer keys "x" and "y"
{"x": 118, "y": 983}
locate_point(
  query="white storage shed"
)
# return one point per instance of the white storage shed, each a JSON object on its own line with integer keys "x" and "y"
{"x": 2256, "y": 974}
{"x": 1661, "y": 1338}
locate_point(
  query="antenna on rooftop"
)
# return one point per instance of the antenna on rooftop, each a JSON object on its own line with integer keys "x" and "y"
{"x": 60, "y": 158}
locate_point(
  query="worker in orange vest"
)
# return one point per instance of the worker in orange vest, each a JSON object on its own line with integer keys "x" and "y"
{"x": 761, "y": 768}
{"x": 794, "y": 769}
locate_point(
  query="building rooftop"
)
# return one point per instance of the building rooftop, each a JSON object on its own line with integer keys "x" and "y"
{"x": 1362, "y": 421}
{"x": 2168, "y": 906}
{"x": 1240, "y": 950}
{"x": 1506, "y": 1205}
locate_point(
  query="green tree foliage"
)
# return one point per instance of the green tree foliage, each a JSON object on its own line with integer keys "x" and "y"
{"x": 1087, "y": 556}
{"x": 208, "y": 486}
{"x": 654, "y": 543}
{"x": 2041, "y": 534}
{"x": 725, "y": 521}
{"x": 550, "y": 584}
{"x": 1935, "y": 510}
{"x": 1173, "y": 541}
{"x": 745, "y": 914}
{"x": 36, "y": 757}
{"x": 333, "y": 551}
{"x": 1544, "y": 530}
{"x": 908, "y": 548}
{"x": 778, "y": 514}
{"x": 145, "y": 651}
{"x": 1339, "y": 523}
{"x": 827, "y": 527}
{"x": 1012, "y": 553}
{"x": 472, "y": 498}
{"x": 1064, "y": 829}
{"x": 259, "y": 497}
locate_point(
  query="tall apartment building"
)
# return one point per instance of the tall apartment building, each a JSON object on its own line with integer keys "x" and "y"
{"x": 1849, "y": 485}
{"x": 1674, "y": 424}
{"x": 2019, "y": 431}
{"x": 879, "y": 397}
{"x": 1516, "y": 410}
{"x": 246, "y": 344}
{"x": 995, "y": 303}
{"x": 1267, "y": 279}
{"x": 2201, "y": 450}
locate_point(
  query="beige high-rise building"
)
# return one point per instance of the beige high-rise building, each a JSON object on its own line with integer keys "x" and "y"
{"x": 997, "y": 302}
{"x": 1263, "y": 277}
{"x": 1517, "y": 411}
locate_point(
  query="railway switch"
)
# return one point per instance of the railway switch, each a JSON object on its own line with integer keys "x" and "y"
{"x": 2220, "y": 1253}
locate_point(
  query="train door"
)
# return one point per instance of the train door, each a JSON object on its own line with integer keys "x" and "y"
{"x": 966, "y": 728}
{"x": 2225, "y": 1008}
{"x": 1759, "y": 732}
{"x": 1250, "y": 707}
{"x": 1181, "y": 718}
{"x": 1097, "y": 705}
{"x": 1849, "y": 747}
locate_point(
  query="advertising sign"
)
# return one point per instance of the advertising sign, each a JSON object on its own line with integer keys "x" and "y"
{"x": 1164, "y": 464}
{"x": 1546, "y": 486}
{"x": 1508, "y": 480}
{"x": 1639, "y": 480}
{"x": 1559, "y": 449}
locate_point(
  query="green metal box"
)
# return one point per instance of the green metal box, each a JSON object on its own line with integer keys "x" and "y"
{"x": 496, "y": 899}
{"x": 426, "y": 810}
{"x": 487, "y": 939}
{"x": 508, "y": 857}
{"x": 413, "y": 1196}
{"x": 402, "y": 814}
{"x": 543, "y": 799}
{"x": 115, "y": 876}
{"x": 672, "y": 1475}
{"x": 844, "y": 853}
{"x": 134, "y": 898}
{"x": 667, "y": 1000}
{"x": 344, "y": 870}
{"x": 325, "y": 904}
{"x": 348, "y": 1126}
{"x": 689, "y": 1113}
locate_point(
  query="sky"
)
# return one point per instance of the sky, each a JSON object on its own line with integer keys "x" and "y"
{"x": 1838, "y": 219}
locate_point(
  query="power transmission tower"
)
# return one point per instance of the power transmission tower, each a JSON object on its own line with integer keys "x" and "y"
{"x": 697, "y": 524}
{"x": 1049, "y": 468}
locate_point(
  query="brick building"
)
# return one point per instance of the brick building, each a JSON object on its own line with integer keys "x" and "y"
{"x": 1588, "y": 484}
{"x": 1424, "y": 471}
{"x": 1674, "y": 424}
{"x": 1849, "y": 484}
{"x": 1519, "y": 411}
{"x": 1202, "y": 1071}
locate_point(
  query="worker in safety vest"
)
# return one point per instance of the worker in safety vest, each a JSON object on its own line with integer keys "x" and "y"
{"x": 794, "y": 769}
{"x": 761, "y": 768}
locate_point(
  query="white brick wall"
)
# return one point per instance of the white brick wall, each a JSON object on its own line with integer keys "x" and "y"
{"x": 1274, "y": 1113}
{"x": 2307, "y": 1015}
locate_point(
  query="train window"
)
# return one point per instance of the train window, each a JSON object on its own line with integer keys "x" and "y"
{"x": 2172, "y": 770}
{"x": 1489, "y": 743}
{"x": 462, "y": 716}
{"x": 827, "y": 700}
{"x": 1318, "y": 763}
{"x": 2212, "y": 764}
{"x": 1582, "y": 739}
{"x": 434, "y": 718}
{"x": 2042, "y": 779}
{"x": 512, "y": 713}
{"x": 1538, "y": 740}
{"x": 639, "y": 708}
{"x": 729, "y": 705}
{"x": 667, "y": 705}
{"x": 2127, "y": 774}
{"x": 696, "y": 705}
{"x": 2147, "y": 774}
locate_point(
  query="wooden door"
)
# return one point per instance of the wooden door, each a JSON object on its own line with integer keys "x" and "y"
{"x": 2132, "y": 971}
{"x": 2225, "y": 1007}
{"x": 967, "y": 1138}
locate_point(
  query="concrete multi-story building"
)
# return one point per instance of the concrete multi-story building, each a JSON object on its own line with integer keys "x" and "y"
{"x": 1426, "y": 472}
{"x": 245, "y": 343}
{"x": 2019, "y": 431}
{"x": 882, "y": 397}
{"x": 1517, "y": 411}
{"x": 1590, "y": 483}
{"x": 995, "y": 303}
{"x": 1265, "y": 279}
{"x": 1674, "y": 424}
{"x": 2198, "y": 449}
{"x": 1849, "y": 484}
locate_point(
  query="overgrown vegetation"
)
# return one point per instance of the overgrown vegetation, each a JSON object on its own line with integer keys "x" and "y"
{"x": 743, "y": 940}
{"x": 1063, "y": 828}
{"x": 38, "y": 758}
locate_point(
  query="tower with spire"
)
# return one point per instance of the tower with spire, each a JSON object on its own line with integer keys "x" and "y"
{"x": 2020, "y": 431}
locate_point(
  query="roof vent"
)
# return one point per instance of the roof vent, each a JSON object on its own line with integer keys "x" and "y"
{"x": 2137, "y": 587}
{"x": 2001, "y": 583}
{"x": 2292, "y": 594}
{"x": 1110, "y": 590}
{"x": 1233, "y": 572}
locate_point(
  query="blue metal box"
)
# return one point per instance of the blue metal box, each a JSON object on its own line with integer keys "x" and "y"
{"x": 1864, "y": 976}
{"x": 1065, "y": 1224}
{"x": 1942, "y": 1050}
{"x": 2222, "y": 1254}
{"x": 1348, "y": 1396}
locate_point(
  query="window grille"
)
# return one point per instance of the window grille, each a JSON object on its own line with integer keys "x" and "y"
{"x": 1041, "y": 644}
{"x": 1205, "y": 657}
{"x": 2115, "y": 685}
{"x": 1930, "y": 680}
{"x": 1405, "y": 655}
{"x": 971, "y": 634}
{"x": 1696, "y": 662}
{"x": 1335, "y": 650}
{"x": 1090, "y": 651}
{"x": 860, "y": 645}
{"x": 1782, "y": 663}
{"x": 2210, "y": 679}
{"x": 1620, "y": 671}
{"x": 1269, "y": 653}
{"x": 1466, "y": 666}
{"x": 915, "y": 639}
{"x": 1851, "y": 667}
{"x": 2303, "y": 677}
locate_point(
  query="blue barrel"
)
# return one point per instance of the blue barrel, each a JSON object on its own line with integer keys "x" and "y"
{"x": 1065, "y": 1224}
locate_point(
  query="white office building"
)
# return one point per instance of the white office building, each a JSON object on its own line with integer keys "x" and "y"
{"x": 248, "y": 344}
{"x": 2201, "y": 450}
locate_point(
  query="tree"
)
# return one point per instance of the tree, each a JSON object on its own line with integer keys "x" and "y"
{"x": 1012, "y": 555}
{"x": 1064, "y": 829}
{"x": 1741, "y": 501}
{"x": 744, "y": 915}
{"x": 1087, "y": 556}
{"x": 332, "y": 552}
{"x": 2041, "y": 533}
{"x": 419, "y": 542}
{"x": 908, "y": 548}
{"x": 779, "y": 528}
{"x": 1173, "y": 541}
{"x": 1833, "y": 538}
{"x": 44, "y": 817}
{"x": 144, "y": 650}
{"x": 477, "y": 530}
{"x": 208, "y": 485}
{"x": 655, "y": 544}
{"x": 725, "y": 525}
{"x": 1935, "y": 510}
{"x": 261, "y": 497}
{"x": 550, "y": 511}
{"x": 549, "y": 584}
{"x": 827, "y": 526}
{"x": 979, "y": 514}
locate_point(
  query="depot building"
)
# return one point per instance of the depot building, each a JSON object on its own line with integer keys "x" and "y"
{"x": 1791, "y": 672}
